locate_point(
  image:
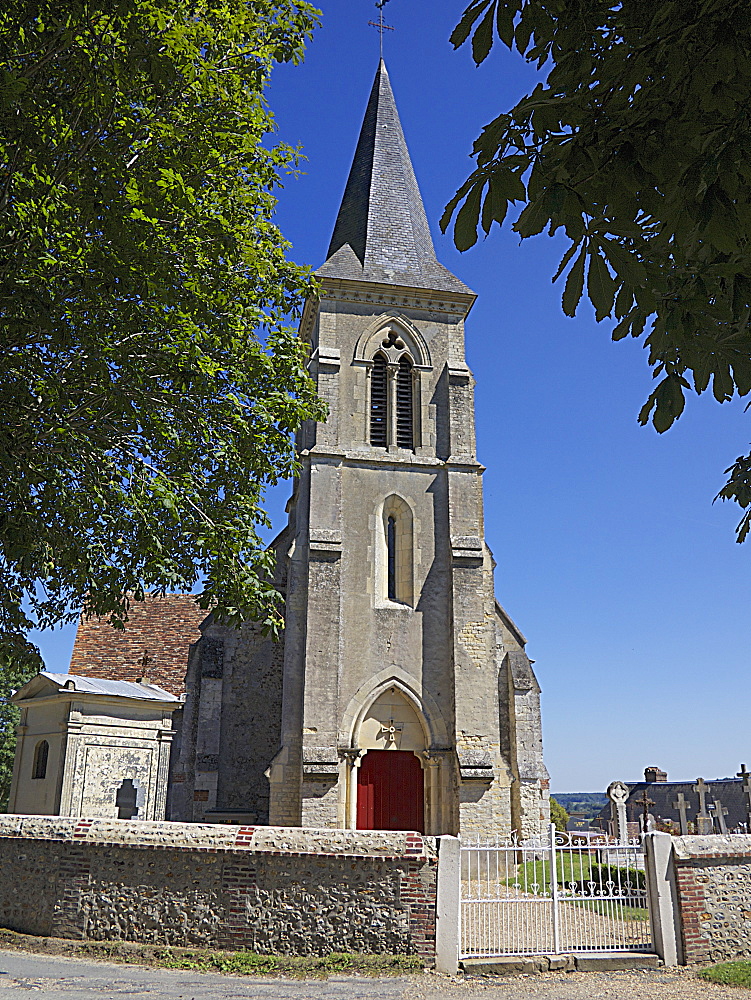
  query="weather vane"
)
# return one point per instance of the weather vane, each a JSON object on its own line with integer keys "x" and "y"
{"x": 380, "y": 4}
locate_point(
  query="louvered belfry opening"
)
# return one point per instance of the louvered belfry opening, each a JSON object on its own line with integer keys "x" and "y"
{"x": 404, "y": 430}
{"x": 379, "y": 402}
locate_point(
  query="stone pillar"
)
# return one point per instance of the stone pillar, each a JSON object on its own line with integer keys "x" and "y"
{"x": 664, "y": 911}
{"x": 351, "y": 758}
{"x": 448, "y": 905}
{"x": 72, "y": 776}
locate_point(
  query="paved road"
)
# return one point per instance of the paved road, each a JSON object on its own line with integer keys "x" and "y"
{"x": 24, "y": 975}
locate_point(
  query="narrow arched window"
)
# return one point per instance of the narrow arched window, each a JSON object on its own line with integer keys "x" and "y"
{"x": 391, "y": 557}
{"x": 379, "y": 402}
{"x": 404, "y": 418}
{"x": 41, "y": 753}
{"x": 395, "y": 553}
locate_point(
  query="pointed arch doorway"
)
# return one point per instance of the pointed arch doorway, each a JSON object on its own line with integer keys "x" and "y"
{"x": 390, "y": 791}
{"x": 390, "y": 782}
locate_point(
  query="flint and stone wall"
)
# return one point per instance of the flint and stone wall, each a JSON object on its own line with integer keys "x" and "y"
{"x": 268, "y": 890}
{"x": 713, "y": 883}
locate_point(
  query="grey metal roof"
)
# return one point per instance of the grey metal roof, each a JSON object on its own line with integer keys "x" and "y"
{"x": 381, "y": 232}
{"x": 120, "y": 689}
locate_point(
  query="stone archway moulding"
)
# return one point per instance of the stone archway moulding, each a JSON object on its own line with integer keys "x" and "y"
{"x": 369, "y": 341}
{"x": 428, "y": 712}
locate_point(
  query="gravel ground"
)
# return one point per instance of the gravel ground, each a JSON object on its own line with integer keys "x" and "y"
{"x": 64, "y": 978}
{"x": 657, "y": 984}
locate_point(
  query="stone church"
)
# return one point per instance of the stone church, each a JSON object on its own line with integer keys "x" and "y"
{"x": 400, "y": 696}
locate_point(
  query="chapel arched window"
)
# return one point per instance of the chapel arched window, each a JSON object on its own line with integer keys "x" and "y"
{"x": 41, "y": 754}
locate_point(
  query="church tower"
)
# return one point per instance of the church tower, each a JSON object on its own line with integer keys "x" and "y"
{"x": 401, "y": 696}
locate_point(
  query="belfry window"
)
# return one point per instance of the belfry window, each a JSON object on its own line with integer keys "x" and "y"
{"x": 404, "y": 432}
{"x": 41, "y": 753}
{"x": 379, "y": 402}
{"x": 392, "y": 420}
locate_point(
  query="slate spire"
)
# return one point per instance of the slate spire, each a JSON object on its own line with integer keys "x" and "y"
{"x": 381, "y": 232}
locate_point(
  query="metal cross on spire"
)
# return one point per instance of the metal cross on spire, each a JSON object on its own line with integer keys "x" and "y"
{"x": 380, "y": 24}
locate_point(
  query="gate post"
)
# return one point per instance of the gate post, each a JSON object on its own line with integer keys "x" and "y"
{"x": 663, "y": 897}
{"x": 448, "y": 905}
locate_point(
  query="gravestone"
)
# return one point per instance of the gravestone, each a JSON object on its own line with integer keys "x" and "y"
{"x": 682, "y": 805}
{"x": 704, "y": 824}
{"x": 720, "y": 813}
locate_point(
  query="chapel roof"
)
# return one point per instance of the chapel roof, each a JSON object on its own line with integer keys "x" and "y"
{"x": 91, "y": 685}
{"x": 152, "y": 647}
{"x": 381, "y": 232}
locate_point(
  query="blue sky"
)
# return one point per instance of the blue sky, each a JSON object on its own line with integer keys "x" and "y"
{"x": 612, "y": 559}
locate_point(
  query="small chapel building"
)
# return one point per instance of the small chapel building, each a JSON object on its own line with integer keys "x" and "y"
{"x": 400, "y": 695}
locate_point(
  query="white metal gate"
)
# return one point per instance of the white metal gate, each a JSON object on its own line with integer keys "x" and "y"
{"x": 553, "y": 895}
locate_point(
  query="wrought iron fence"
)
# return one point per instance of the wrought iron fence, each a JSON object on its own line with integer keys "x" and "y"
{"x": 552, "y": 895}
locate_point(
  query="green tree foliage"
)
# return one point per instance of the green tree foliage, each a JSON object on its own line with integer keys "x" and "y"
{"x": 558, "y": 814}
{"x": 637, "y": 146}
{"x": 150, "y": 384}
{"x": 19, "y": 662}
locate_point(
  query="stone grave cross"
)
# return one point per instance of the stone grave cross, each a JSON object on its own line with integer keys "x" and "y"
{"x": 704, "y": 822}
{"x": 744, "y": 775}
{"x": 682, "y": 805}
{"x": 720, "y": 812}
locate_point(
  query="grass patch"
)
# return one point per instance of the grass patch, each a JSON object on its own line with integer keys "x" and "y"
{"x": 236, "y": 963}
{"x": 729, "y": 974}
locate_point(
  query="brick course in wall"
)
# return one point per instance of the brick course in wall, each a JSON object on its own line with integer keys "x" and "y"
{"x": 161, "y": 627}
{"x": 713, "y": 882}
{"x": 266, "y": 889}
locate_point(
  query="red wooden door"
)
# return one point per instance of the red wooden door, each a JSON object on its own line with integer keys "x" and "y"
{"x": 390, "y": 791}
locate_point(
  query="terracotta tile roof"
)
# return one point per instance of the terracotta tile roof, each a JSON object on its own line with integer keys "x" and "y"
{"x": 161, "y": 628}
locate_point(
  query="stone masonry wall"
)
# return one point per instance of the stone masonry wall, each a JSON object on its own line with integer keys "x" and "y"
{"x": 268, "y": 890}
{"x": 713, "y": 880}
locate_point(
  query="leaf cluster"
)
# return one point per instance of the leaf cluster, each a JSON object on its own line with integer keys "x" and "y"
{"x": 19, "y": 662}
{"x": 636, "y": 146}
{"x": 151, "y": 385}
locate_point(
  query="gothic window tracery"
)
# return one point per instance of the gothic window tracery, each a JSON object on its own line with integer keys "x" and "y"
{"x": 392, "y": 394}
